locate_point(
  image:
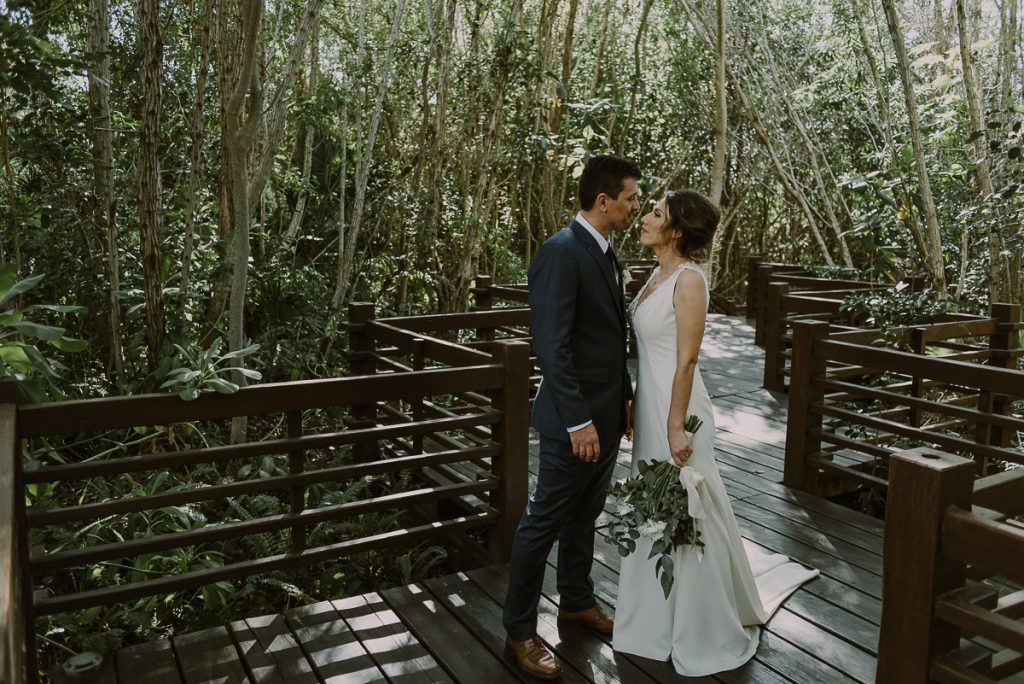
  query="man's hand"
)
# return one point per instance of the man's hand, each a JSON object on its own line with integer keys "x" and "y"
{"x": 585, "y": 443}
{"x": 679, "y": 446}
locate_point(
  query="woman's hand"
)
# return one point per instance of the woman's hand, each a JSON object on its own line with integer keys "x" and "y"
{"x": 679, "y": 446}
{"x": 630, "y": 415}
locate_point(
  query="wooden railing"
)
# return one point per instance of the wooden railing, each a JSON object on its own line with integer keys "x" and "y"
{"x": 936, "y": 626}
{"x": 487, "y": 296}
{"x": 12, "y": 642}
{"x": 852, "y": 404}
{"x": 450, "y": 418}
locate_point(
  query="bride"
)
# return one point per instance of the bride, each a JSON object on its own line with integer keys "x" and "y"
{"x": 709, "y": 623}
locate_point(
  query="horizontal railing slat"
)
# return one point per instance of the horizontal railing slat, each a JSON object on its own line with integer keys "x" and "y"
{"x": 433, "y": 348}
{"x": 1011, "y": 422}
{"x": 926, "y": 436}
{"x": 992, "y": 546}
{"x": 163, "y": 585}
{"x": 161, "y": 409}
{"x": 173, "y": 459}
{"x": 848, "y": 473}
{"x": 999, "y": 380}
{"x": 269, "y": 484}
{"x": 487, "y": 318}
{"x": 977, "y": 620}
{"x": 50, "y": 562}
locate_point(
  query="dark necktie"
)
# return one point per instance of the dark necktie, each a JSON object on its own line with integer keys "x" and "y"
{"x": 610, "y": 255}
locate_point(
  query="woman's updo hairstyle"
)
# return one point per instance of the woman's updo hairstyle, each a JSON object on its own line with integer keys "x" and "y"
{"x": 697, "y": 218}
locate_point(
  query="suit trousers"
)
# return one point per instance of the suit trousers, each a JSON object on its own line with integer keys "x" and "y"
{"x": 569, "y": 496}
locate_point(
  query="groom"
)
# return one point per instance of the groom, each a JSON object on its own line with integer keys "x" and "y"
{"x": 578, "y": 321}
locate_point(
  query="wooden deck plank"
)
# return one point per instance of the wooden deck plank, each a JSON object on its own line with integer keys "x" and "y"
{"x": 389, "y": 642}
{"x": 482, "y": 615}
{"x": 818, "y": 521}
{"x": 605, "y": 591}
{"x": 151, "y": 663}
{"x": 855, "y": 555}
{"x": 275, "y": 639}
{"x": 810, "y": 556}
{"x": 582, "y": 650}
{"x": 449, "y": 629}
{"x": 209, "y": 656}
{"x": 448, "y": 640}
{"x": 824, "y": 646}
{"x": 336, "y": 654}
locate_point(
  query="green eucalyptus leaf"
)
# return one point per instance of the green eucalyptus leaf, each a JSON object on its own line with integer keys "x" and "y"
{"x": 38, "y": 330}
{"x": 11, "y": 291}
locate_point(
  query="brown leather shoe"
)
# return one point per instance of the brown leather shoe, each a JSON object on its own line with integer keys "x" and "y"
{"x": 534, "y": 658}
{"x": 594, "y": 618}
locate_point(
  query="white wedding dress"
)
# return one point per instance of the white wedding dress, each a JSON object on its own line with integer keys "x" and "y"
{"x": 709, "y": 623}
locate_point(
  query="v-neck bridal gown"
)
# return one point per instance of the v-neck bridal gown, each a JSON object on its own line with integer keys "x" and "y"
{"x": 709, "y": 623}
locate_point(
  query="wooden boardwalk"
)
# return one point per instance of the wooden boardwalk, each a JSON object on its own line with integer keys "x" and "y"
{"x": 449, "y": 629}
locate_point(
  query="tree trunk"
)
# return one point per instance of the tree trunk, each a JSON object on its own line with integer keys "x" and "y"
{"x": 977, "y": 117}
{"x": 195, "y": 153}
{"x": 484, "y": 177}
{"x": 595, "y": 79}
{"x": 700, "y": 24}
{"x": 347, "y": 249}
{"x": 721, "y": 111}
{"x": 933, "y": 239}
{"x": 101, "y": 134}
{"x": 149, "y": 181}
{"x": 779, "y": 86}
{"x": 228, "y": 50}
{"x": 12, "y": 197}
{"x": 306, "y": 137}
{"x": 645, "y": 12}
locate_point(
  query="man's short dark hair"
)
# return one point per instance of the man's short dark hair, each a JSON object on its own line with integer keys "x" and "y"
{"x": 604, "y": 173}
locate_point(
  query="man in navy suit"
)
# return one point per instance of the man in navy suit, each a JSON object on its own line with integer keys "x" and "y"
{"x": 578, "y": 320}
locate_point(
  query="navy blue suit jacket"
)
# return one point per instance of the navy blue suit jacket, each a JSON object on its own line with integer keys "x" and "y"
{"x": 578, "y": 320}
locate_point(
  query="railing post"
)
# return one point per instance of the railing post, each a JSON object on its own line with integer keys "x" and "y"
{"x": 774, "y": 364}
{"x": 17, "y": 632}
{"x": 1000, "y": 344}
{"x": 512, "y": 433}
{"x": 761, "y": 277}
{"x": 361, "y": 362}
{"x": 297, "y": 495}
{"x": 752, "y": 264}
{"x": 419, "y": 410}
{"x": 483, "y": 301}
{"x": 482, "y": 297}
{"x": 918, "y": 345}
{"x": 801, "y": 440}
{"x": 923, "y": 483}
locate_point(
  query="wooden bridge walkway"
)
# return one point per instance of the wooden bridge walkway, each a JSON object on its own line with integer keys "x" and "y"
{"x": 449, "y": 629}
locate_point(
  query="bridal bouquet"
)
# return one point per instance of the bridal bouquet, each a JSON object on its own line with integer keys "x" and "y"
{"x": 656, "y": 504}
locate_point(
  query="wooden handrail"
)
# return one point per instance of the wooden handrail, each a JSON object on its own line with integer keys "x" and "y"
{"x": 999, "y": 380}
{"x": 988, "y": 544}
{"x": 830, "y": 370}
{"x": 64, "y": 417}
{"x": 931, "y": 538}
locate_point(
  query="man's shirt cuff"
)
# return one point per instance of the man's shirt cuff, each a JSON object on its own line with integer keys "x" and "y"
{"x": 580, "y": 426}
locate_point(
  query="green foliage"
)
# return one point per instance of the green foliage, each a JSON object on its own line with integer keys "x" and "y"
{"x": 896, "y": 307}
{"x": 202, "y": 369}
{"x": 20, "y": 358}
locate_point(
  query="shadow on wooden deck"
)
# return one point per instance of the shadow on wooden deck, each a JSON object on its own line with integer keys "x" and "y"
{"x": 449, "y": 629}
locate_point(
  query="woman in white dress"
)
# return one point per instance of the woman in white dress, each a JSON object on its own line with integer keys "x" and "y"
{"x": 709, "y": 622}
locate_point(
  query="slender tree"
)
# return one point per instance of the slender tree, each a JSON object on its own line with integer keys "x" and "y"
{"x": 150, "y": 213}
{"x": 102, "y": 139}
{"x": 933, "y": 239}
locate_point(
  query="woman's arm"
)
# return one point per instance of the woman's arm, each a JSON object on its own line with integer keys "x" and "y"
{"x": 688, "y": 300}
